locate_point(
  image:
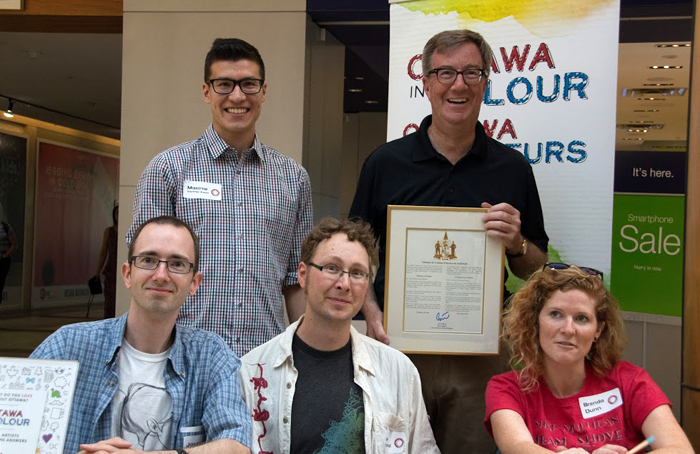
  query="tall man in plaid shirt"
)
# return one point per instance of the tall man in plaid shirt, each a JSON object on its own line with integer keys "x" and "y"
{"x": 249, "y": 204}
{"x": 145, "y": 383}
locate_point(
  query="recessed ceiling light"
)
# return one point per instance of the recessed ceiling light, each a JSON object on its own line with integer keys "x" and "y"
{"x": 658, "y": 85}
{"x": 641, "y": 121}
{"x": 632, "y": 138}
{"x": 355, "y": 90}
{"x": 673, "y": 45}
{"x": 359, "y": 78}
{"x": 371, "y": 101}
{"x": 645, "y": 110}
{"x": 651, "y": 99}
{"x": 665, "y": 67}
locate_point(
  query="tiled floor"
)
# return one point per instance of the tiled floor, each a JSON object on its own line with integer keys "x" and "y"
{"x": 19, "y": 336}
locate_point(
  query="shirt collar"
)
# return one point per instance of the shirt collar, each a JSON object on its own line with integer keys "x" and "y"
{"x": 114, "y": 339}
{"x": 426, "y": 151}
{"x": 217, "y": 146}
{"x": 116, "y": 335}
{"x": 360, "y": 354}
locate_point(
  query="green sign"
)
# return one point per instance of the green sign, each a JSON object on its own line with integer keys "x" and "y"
{"x": 647, "y": 253}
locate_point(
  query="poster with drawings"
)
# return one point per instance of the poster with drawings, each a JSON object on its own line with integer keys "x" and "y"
{"x": 35, "y": 403}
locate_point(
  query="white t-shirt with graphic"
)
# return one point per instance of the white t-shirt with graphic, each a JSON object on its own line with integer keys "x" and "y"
{"x": 142, "y": 407}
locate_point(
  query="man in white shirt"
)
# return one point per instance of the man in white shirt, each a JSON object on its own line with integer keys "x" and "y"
{"x": 320, "y": 386}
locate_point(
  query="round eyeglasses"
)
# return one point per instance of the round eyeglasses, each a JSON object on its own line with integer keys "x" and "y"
{"x": 448, "y": 76}
{"x": 177, "y": 266}
{"x": 248, "y": 86}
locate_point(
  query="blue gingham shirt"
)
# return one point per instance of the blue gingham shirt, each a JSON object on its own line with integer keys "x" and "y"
{"x": 201, "y": 376}
{"x": 250, "y": 239}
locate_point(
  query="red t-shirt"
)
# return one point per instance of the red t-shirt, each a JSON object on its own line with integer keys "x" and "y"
{"x": 607, "y": 410}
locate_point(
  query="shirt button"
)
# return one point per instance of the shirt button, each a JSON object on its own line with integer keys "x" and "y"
{"x": 238, "y": 339}
{"x": 240, "y": 269}
{"x": 289, "y": 385}
{"x": 285, "y": 420}
{"x": 240, "y": 304}
{"x": 110, "y": 384}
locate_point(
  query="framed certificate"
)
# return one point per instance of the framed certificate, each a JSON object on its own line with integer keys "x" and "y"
{"x": 444, "y": 281}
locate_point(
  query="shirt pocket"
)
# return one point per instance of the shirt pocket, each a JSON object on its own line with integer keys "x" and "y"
{"x": 192, "y": 436}
{"x": 389, "y": 433}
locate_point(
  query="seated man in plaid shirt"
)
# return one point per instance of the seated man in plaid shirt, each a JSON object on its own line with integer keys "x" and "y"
{"x": 145, "y": 383}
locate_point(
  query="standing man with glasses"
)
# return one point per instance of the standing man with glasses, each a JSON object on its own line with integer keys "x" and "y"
{"x": 249, "y": 204}
{"x": 321, "y": 386}
{"x": 450, "y": 161}
{"x": 146, "y": 384}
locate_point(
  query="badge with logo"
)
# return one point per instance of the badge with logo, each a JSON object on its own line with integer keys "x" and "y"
{"x": 592, "y": 406}
{"x": 201, "y": 190}
{"x": 396, "y": 443}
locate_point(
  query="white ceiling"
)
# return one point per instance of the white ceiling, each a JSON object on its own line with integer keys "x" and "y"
{"x": 80, "y": 75}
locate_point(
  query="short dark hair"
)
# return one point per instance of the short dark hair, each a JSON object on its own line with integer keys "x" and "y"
{"x": 167, "y": 220}
{"x": 356, "y": 229}
{"x": 231, "y": 49}
{"x": 450, "y": 40}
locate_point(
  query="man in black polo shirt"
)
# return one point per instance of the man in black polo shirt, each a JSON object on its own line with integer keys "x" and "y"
{"x": 451, "y": 162}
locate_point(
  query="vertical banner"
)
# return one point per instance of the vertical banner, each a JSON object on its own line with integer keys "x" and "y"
{"x": 551, "y": 95}
{"x": 75, "y": 193}
{"x": 13, "y": 165}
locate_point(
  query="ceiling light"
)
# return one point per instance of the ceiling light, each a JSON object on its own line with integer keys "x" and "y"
{"x": 359, "y": 78}
{"x": 355, "y": 90}
{"x": 665, "y": 67}
{"x": 645, "y": 110}
{"x": 8, "y": 113}
{"x": 658, "y": 85}
{"x": 674, "y": 45}
{"x": 371, "y": 101}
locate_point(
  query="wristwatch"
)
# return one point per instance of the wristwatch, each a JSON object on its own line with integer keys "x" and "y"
{"x": 180, "y": 451}
{"x": 523, "y": 251}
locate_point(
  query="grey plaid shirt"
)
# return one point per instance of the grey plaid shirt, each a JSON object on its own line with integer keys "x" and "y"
{"x": 250, "y": 239}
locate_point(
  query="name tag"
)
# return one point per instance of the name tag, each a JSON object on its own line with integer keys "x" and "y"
{"x": 396, "y": 443}
{"x": 201, "y": 190}
{"x": 191, "y": 437}
{"x": 592, "y": 406}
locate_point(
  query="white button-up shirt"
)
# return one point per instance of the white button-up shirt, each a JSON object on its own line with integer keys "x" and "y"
{"x": 395, "y": 416}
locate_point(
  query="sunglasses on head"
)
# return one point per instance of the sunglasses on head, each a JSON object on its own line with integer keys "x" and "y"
{"x": 562, "y": 266}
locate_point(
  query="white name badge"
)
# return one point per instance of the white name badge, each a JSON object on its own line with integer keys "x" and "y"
{"x": 190, "y": 436}
{"x": 201, "y": 190}
{"x": 592, "y": 406}
{"x": 396, "y": 443}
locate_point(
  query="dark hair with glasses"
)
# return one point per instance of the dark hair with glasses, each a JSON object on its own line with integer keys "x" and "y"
{"x": 356, "y": 230}
{"x": 232, "y": 49}
{"x": 167, "y": 220}
{"x": 521, "y": 320}
{"x": 449, "y": 40}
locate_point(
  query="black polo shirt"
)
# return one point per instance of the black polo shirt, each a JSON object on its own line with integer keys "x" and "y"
{"x": 409, "y": 171}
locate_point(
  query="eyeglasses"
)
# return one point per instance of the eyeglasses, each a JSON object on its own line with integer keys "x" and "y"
{"x": 334, "y": 272}
{"x": 447, "y": 76}
{"x": 176, "y": 266}
{"x": 563, "y": 266}
{"x": 248, "y": 86}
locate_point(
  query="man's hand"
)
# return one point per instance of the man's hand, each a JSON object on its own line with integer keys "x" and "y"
{"x": 113, "y": 445}
{"x": 503, "y": 221}
{"x": 607, "y": 449}
{"x": 374, "y": 317}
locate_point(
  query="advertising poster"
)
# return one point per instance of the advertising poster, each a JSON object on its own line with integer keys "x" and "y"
{"x": 13, "y": 164}
{"x": 648, "y": 231}
{"x": 551, "y": 95}
{"x": 75, "y": 194}
{"x": 35, "y": 403}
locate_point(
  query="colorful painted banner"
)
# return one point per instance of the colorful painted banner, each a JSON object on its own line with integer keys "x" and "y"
{"x": 551, "y": 96}
{"x": 13, "y": 170}
{"x": 75, "y": 194}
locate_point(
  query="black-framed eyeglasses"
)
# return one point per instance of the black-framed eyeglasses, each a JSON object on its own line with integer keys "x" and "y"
{"x": 563, "y": 266}
{"x": 447, "y": 76}
{"x": 249, "y": 86}
{"x": 177, "y": 266}
{"x": 334, "y": 272}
